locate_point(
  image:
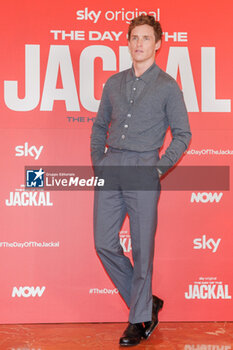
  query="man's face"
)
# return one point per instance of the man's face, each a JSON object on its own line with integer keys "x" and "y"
{"x": 142, "y": 45}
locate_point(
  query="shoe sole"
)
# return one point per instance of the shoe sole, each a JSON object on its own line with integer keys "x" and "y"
{"x": 129, "y": 344}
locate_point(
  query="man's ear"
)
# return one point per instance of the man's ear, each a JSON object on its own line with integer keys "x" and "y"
{"x": 157, "y": 45}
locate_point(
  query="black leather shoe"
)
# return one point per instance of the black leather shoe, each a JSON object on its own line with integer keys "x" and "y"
{"x": 132, "y": 335}
{"x": 151, "y": 325}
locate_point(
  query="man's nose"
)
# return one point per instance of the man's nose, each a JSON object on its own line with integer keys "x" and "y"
{"x": 139, "y": 42}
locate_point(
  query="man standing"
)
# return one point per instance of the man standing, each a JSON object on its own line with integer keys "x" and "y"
{"x": 137, "y": 107}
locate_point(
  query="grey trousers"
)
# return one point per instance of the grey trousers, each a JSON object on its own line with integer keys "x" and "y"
{"x": 110, "y": 208}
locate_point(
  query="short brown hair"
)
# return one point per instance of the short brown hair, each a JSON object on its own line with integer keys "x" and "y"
{"x": 146, "y": 19}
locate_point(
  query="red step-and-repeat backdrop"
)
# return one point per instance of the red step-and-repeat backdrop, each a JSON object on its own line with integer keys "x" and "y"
{"x": 55, "y": 59}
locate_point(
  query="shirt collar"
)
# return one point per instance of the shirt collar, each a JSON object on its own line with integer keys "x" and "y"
{"x": 146, "y": 76}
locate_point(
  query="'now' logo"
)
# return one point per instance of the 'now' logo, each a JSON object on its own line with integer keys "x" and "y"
{"x": 27, "y": 292}
{"x": 205, "y": 197}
